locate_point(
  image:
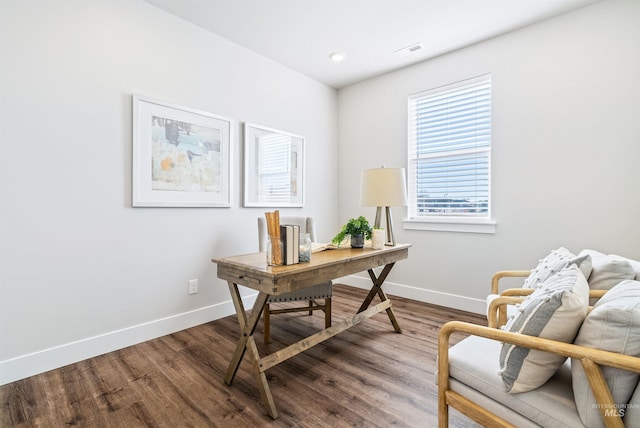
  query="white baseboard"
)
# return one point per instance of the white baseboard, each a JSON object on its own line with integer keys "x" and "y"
{"x": 455, "y": 301}
{"x": 48, "y": 359}
{"x": 59, "y": 356}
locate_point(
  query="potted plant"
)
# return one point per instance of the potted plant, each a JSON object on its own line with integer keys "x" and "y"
{"x": 357, "y": 228}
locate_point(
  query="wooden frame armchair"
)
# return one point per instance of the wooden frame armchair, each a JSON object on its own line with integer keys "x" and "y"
{"x": 309, "y": 294}
{"x": 466, "y": 374}
{"x": 591, "y": 360}
{"x": 497, "y": 311}
{"x": 495, "y": 280}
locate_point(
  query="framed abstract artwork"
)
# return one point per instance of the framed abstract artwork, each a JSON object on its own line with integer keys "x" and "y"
{"x": 273, "y": 167}
{"x": 181, "y": 156}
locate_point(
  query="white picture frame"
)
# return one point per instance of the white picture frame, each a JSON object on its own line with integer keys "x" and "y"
{"x": 181, "y": 156}
{"x": 273, "y": 167}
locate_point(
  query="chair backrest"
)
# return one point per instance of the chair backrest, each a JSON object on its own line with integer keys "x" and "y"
{"x": 306, "y": 226}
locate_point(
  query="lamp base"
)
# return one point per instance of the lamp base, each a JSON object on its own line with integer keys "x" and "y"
{"x": 390, "y": 239}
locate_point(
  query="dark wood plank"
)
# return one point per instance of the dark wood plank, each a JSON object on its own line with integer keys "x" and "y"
{"x": 366, "y": 376}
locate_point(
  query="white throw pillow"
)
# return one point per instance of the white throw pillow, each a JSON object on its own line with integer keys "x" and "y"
{"x": 632, "y": 410}
{"x": 607, "y": 271}
{"x": 613, "y": 325}
{"x": 635, "y": 264}
{"x": 555, "y": 310}
{"x": 553, "y": 263}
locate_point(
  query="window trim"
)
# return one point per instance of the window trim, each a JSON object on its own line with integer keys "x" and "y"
{"x": 452, "y": 223}
{"x": 466, "y": 225}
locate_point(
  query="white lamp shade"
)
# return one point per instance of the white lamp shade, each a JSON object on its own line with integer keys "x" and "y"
{"x": 383, "y": 187}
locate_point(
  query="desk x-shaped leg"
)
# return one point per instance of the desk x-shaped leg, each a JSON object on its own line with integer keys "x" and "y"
{"x": 247, "y": 343}
{"x": 377, "y": 289}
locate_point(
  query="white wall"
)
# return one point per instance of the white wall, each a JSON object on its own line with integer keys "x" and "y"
{"x": 82, "y": 272}
{"x": 566, "y": 149}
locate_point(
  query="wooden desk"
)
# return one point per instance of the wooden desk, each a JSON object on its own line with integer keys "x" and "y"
{"x": 251, "y": 270}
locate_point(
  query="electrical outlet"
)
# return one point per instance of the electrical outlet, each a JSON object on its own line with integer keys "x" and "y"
{"x": 193, "y": 286}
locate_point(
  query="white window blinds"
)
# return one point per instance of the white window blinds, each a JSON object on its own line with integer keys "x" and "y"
{"x": 449, "y": 150}
{"x": 274, "y": 168}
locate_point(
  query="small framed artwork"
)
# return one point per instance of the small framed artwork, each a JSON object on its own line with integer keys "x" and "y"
{"x": 273, "y": 167}
{"x": 181, "y": 156}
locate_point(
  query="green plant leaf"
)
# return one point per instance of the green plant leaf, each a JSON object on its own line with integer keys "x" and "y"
{"x": 354, "y": 226}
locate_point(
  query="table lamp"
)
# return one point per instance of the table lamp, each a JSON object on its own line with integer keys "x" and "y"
{"x": 383, "y": 187}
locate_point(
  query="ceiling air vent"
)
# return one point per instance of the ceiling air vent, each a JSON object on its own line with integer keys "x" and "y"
{"x": 408, "y": 49}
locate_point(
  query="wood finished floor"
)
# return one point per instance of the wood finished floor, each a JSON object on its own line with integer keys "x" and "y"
{"x": 368, "y": 376}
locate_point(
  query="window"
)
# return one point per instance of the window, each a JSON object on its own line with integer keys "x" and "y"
{"x": 449, "y": 152}
{"x": 274, "y": 168}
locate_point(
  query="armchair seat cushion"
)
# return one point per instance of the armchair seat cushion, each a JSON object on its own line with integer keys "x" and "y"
{"x": 551, "y": 405}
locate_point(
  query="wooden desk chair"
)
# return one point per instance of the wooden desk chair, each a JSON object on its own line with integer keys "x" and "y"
{"x": 310, "y": 294}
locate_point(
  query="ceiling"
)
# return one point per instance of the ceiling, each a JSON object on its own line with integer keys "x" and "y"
{"x": 301, "y": 34}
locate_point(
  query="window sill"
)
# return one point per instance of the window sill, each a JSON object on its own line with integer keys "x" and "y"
{"x": 451, "y": 225}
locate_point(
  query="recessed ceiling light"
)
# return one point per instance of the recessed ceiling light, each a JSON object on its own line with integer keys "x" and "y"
{"x": 337, "y": 56}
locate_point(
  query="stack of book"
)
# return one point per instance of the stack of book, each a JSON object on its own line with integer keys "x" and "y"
{"x": 290, "y": 235}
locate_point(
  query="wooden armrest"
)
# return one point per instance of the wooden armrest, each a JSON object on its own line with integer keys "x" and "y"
{"x": 521, "y": 292}
{"x": 497, "y": 313}
{"x": 590, "y": 358}
{"x": 597, "y": 293}
{"x": 526, "y": 291}
{"x": 506, "y": 274}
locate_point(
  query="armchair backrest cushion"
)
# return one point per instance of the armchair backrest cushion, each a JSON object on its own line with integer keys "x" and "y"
{"x": 613, "y": 325}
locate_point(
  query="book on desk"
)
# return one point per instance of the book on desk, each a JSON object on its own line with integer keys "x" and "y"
{"x": 290, "y": 235}
{"x": 316, "y": 247}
